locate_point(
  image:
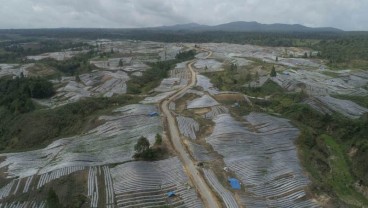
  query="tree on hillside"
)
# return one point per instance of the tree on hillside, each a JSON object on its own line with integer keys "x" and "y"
{"x": 142, "y": 145}
{"x": 273, "y": 72}
{"x": 52, "y": 200}
{"x": 158, "y": 139}
{"x": 256, "y": 76}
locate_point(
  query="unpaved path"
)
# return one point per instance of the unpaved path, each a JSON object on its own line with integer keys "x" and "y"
{"x": 206, "y": 193}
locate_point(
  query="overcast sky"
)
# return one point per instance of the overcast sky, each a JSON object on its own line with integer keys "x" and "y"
{"x": 343, "y": 14}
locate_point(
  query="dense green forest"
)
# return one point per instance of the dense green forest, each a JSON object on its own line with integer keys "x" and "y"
{"x": 16, "y": 49}
{"x": 16, "y": 94}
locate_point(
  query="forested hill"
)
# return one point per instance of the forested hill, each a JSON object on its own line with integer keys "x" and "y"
{"x": 241, "y": 26}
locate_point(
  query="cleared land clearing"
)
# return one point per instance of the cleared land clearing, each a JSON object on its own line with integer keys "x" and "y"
{"x": 263, "y": 156}
{"x": 111, "y": 142}
{"x": 146, "y": 184}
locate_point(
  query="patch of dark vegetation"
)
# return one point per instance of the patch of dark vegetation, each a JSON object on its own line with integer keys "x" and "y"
{"x": 17, "y": 48}
{"x": 76, "y": 65}
{"x": 144, "y": 150}
{"x": 152, "y": 77}
{"x": 39, "y": 128}
{"x": 16, "y": 94}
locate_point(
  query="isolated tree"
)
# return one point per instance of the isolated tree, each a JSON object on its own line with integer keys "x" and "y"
{"x": 248, "y": 77}
{"x": 273, "y": 72}
{"x": 120, "y": 62}
{"x": 256, "y": 76}
{"x": 52, "y": 200}
{"x": 277, "y": 58}
{"x": 142, "y": 145}
{"x": 233, "y": 67}
{"x": 305, "y": 55}
{"x": 158, "y": 139}
{"x": 205, "y": 68}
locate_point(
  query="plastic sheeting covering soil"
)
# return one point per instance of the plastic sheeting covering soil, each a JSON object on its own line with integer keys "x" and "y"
{"x": 204, "y": 82}
{"x": 263, "y": 156}
{"x": 146, "y": 184}
{"x": 187, "y": 126}
{"x": 202, "y": 102}
{"x": 111, "y": 142}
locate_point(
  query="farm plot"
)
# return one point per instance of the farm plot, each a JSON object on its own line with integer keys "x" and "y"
{"x": 97, "y": 83}
{"x": 202, "y": 102}
{"x": 345, "y": 107}
{"x": 111, "y": 142}
{"x": 157, "y": 98}
{"x": 318, "y": 84}
{"x": 199, "y": 153}
{"x": 263, "y": 156}
{"x": 208, "y": 65}
{"x": 169, "y": 84}
{"x": 9, "y": 70}
{"x": 187, "y": 127}
{"x": 226, "y": 195}
{"x": 224, "y": 51}
{"x": 59, "y": 56}
{"x": 215, "y": 111}
{"x": 204, "y": 82}
{"x": 23, "y": 204}
{"x": 146, "y": 184}
{"x": 50, "y": 176}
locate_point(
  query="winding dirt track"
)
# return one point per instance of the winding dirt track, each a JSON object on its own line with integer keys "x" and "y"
{"x": 206, "y": 193}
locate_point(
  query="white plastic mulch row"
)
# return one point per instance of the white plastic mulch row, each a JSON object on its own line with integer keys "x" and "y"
{"x": 24, "y": 204}
{"x": 109, "y": 186}
{"x": 93, "y": 186}
{"x": 5, "y": 191}
{"x": 263, "y": 156}
{"x": 199, "y": 152}
{"x": 187, "y": 126}
{"x": 28, "y": 183}
{"x": 216, "y": 110}
{"x": 47, "y": 177}
{"x": 146, "y": 184}
{"x": 226, "y": 195}
{"x": 202, "y": 102}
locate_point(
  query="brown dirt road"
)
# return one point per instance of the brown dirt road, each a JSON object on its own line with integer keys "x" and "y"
{"x": 200, "y": 184}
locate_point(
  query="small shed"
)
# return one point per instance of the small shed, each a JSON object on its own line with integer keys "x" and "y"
{"x": 234, "y": 183}
{"x": 152, "y": 114}
{"x": 171, "y": 194}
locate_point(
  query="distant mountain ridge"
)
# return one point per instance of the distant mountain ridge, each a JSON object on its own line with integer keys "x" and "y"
{"x": 242, "y": 26}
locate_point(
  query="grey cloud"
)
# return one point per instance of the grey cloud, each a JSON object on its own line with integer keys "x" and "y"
{"x": 345, "y": 14}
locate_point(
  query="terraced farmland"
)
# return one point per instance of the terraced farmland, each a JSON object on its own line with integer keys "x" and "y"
{"x": 263, "y": 156}
{"x": 226, "y": 195}
{"x": 187, "y": 126}
{"x": 146, "y": 184}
